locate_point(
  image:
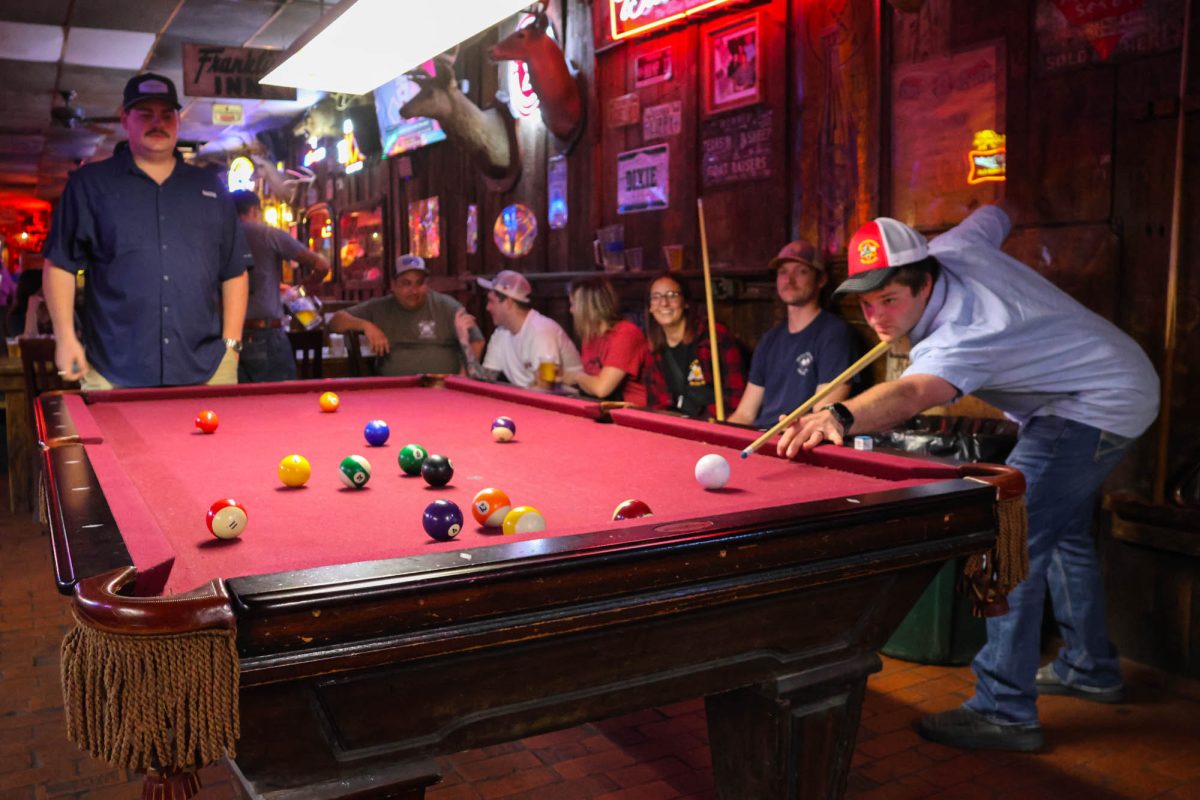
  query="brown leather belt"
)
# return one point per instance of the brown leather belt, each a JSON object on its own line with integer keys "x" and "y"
{"x": 259, "y": 324}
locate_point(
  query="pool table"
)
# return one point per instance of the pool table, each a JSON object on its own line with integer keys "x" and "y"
{"x": 366, "y": 648}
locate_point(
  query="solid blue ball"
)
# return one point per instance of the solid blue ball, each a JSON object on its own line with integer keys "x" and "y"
{"x": 443, "y": 520}
{"x": 376, "y": 432}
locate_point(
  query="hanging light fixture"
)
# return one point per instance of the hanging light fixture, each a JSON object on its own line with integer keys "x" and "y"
{"x": 363, "y": 44}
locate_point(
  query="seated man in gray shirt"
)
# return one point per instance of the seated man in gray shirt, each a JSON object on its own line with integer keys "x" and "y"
{"x": 412, "y": 331}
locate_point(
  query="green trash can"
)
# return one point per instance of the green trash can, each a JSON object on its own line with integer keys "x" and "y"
{"x": 940, "y": 628}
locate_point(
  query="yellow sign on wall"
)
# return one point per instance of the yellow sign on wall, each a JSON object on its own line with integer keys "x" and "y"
{"x": 226, "y": 114}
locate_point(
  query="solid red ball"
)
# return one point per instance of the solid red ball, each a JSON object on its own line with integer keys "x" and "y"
{"x": 207, "y": 421}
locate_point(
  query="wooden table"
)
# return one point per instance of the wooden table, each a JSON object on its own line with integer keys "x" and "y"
{"x": 18, "y": 434}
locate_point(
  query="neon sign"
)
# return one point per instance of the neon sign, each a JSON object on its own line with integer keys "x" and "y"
{"x": 636, "y": 17}
{"x": 986, "y": 159}
{"x": 521, "y": 98}
{"x": 241, "y": 175}
{"x": 314, "y": 156}
{"x": 348, "y": 154}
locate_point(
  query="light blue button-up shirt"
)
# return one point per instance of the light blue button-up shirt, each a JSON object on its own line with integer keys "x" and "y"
{"x": 998, "y": 330}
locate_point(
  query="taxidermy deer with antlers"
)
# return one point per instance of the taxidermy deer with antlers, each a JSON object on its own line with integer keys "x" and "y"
{"x": 483, "y": 134}
{"x": 549, "y": 75}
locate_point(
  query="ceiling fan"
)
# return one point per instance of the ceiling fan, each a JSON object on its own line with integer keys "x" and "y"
{"x": 72, "y": 116}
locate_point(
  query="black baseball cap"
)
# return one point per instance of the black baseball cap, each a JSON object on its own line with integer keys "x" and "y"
{"x": 149, "y": 86}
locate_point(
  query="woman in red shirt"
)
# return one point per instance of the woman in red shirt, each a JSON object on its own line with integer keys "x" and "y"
{"x": 613, "y": 349}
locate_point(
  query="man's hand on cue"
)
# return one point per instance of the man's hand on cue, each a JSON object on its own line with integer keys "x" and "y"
{"x": 808, "y": 432}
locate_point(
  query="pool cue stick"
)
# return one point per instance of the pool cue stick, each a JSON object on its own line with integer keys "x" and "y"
{"x": 852, "y": 370}
{"x": 712, "y": 319}
{"x": 1167, "y": 371}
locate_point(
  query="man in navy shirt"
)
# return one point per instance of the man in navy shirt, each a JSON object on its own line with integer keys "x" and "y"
{"x": 163, "y": 256}
{"x": 802, "y": 353}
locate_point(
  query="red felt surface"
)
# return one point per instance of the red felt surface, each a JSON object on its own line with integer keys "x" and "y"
{"x": 160, "y": 475}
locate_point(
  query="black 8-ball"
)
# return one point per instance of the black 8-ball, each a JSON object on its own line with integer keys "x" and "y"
{"x": 437, "y": 470}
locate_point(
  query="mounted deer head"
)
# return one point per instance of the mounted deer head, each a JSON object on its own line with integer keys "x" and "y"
{"x": 550, "y": 77}
{"x": 487, "y": 135}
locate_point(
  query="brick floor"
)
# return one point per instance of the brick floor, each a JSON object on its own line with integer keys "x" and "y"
{"x": 1149, "y": 747}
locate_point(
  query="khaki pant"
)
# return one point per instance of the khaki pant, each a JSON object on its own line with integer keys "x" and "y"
{"x": 226, "y": 373}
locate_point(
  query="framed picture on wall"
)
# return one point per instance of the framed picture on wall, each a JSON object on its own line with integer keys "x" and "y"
{"x": 652, "y": 66}
{"x": 732, "y": 64}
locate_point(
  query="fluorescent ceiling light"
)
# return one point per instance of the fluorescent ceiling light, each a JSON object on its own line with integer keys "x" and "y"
{"x": 22, "y": 41}
{"x": 363, "y": 44}
{"x": 94, "y": 47}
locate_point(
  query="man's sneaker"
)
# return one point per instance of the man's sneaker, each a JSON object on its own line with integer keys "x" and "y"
{"x": 1048, "y": 682}
{"x": 962, "y": 727}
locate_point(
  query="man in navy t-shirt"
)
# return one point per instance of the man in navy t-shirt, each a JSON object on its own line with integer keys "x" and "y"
{"x": 802, "y": 353}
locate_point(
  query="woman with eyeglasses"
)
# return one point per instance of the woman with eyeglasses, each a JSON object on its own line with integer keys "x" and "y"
{"x": 679, "y": 371}
{"x": 613, "y": 349}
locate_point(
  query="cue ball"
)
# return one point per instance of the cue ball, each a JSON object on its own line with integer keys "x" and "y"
{"x": 354, "y": 471}
{"x": 207, "y": 421}
{"x": 490, "y": 507}
{"x": 442, "y": 520}
{"x": 411, "y": 457}
{"x": 376, "y": 432}
{"x": 294, "y": 470}
{"x": 712, "y": 471}
{"x": 329, "y": 402}
{"x": 226, "y": 518}
{"x": 437, "y": 470}
{"x": 523, "y": 519}
{"x": 503, "y": 429}
{"x": 631, "y": 509}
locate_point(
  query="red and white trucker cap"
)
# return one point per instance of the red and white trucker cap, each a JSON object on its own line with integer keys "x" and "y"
{"x": 876, "y": 250}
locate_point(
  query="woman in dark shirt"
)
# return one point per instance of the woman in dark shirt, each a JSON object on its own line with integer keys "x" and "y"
{"x": 679, "y": 370}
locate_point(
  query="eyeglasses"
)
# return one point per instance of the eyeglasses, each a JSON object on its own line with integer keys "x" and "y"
{"x": 664, "y": 297}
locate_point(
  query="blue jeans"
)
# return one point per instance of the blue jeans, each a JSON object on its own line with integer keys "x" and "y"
{"x": 1065, "y": 464}
{"x": 266, "y": 356}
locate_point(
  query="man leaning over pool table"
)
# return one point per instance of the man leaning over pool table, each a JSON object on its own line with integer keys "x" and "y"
{"x": 982, "y": 323}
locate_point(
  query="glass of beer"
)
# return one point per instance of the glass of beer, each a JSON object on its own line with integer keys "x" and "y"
{"x": 304, "y": 307}
{"x": 547, "y": 373}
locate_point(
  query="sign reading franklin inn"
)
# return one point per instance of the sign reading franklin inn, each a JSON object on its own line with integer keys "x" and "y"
{"x": 211, "y": 70}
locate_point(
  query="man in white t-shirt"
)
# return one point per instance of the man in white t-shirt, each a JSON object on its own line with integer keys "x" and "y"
{"x": 523, "y": 338}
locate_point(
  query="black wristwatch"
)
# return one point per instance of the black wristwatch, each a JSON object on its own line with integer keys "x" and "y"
{"x": 841, "y": 414}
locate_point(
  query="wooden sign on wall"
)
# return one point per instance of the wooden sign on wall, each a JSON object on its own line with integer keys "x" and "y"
{"x": 211, "y": 70}
{"x": 736, "y": 147}
{"x": 1072, "y": 34}
{"x": 939, "y": 107}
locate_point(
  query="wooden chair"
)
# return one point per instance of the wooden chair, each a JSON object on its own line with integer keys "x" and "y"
{"x": 307, "y": 347}
{"x": 358, "y": 365}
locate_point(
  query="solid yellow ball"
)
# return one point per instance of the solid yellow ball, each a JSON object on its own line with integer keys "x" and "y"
{"x": 294, "y": 471}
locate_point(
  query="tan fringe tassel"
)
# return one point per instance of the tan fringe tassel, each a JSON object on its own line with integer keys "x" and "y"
{"x": 998, "y": 571}
{"x": 143, "y": 702}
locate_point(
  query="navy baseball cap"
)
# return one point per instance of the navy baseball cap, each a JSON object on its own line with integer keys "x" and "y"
{"x": 150, "y": 86}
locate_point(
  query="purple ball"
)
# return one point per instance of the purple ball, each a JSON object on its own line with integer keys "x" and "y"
{"x": 503, "y": 429}
{"x": 442, "y": 520}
